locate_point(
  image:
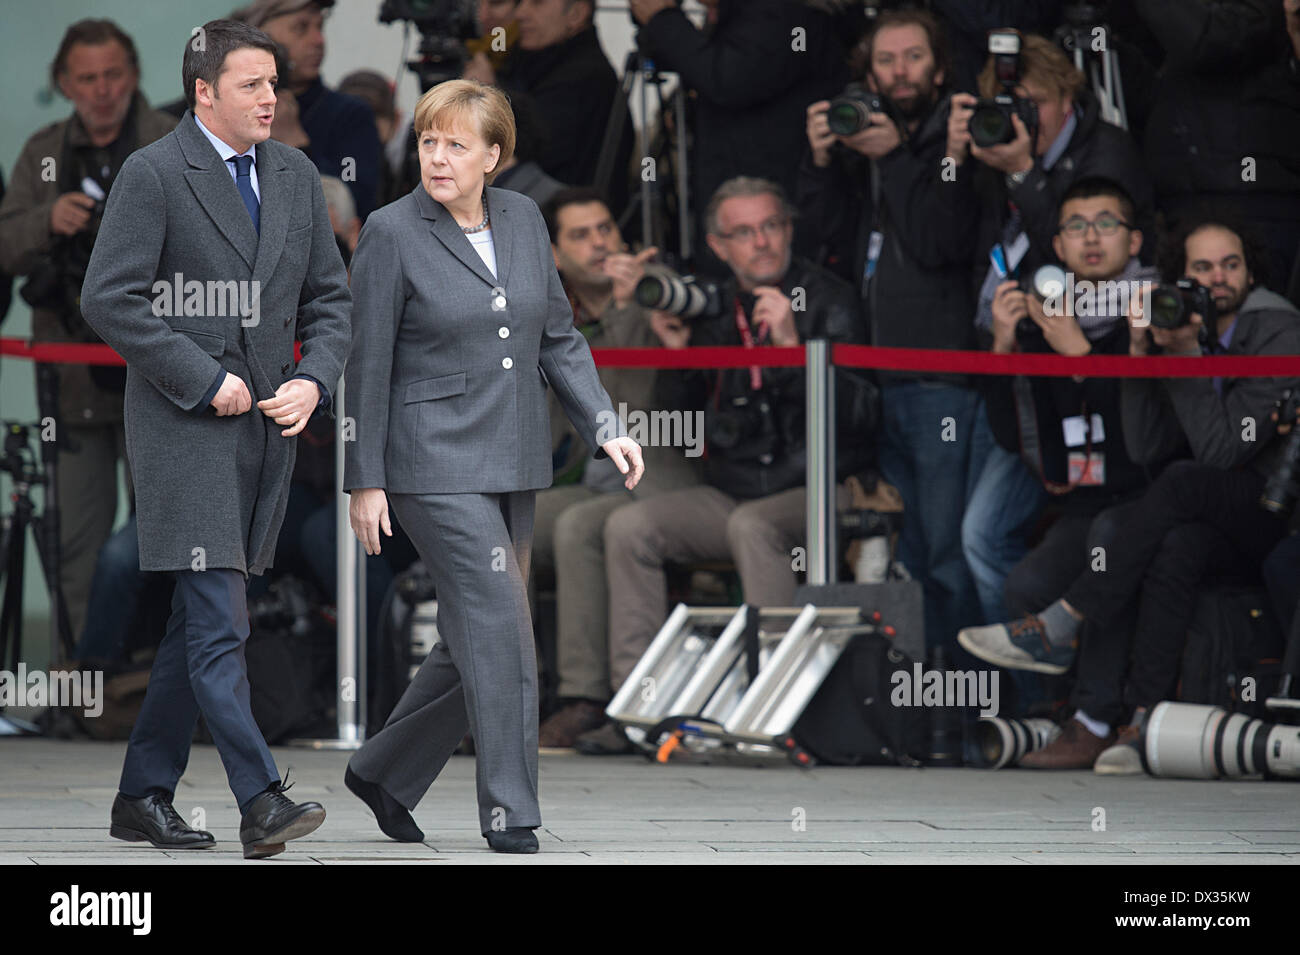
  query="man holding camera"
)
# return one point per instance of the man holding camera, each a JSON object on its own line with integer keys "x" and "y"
{"x": 873, "y": 192}
{"x": 601, "y": 277}
{"x": 1201, "y": 517}
{"x": 49, "y": 221}
{"x": 752, "y": 508}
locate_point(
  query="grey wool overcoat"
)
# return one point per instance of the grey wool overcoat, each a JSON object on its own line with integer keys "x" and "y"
{"x": 181, "y": 285}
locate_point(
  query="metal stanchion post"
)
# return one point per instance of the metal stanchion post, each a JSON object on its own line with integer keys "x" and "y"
{"x": 823, "y": 563}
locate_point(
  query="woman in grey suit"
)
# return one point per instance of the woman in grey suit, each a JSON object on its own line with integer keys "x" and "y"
{"x": 460, "y": 324}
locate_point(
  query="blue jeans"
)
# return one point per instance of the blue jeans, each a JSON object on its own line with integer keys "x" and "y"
{"x": 1004, "y": 506}
{"x": 934, "y": 441}
{"x": 114, "y": 596}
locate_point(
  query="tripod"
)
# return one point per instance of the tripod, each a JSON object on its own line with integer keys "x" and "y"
{"x": 1094, "y": 56}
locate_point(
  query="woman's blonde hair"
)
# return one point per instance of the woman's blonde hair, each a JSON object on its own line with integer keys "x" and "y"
{"x": 453, "y": 101}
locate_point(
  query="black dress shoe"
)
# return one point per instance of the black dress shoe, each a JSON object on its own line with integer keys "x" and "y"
{"x": 154, "y": 820}
{"x": 273, "y": 819}
{"x": 394, "y": 819}
{"x": 520, "y": 839}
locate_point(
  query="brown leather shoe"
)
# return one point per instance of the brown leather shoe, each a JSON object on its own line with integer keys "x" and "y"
{"x": 569, "y": 722}
{"x": 1075, "y": 748}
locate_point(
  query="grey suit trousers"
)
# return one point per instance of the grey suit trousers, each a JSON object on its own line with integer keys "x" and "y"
{"x": 482, "y": 676}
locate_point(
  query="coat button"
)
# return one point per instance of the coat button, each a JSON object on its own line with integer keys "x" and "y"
{"x": 503, "y": 332}
{"x": 284, "y": 369}
{"x": 507, "y": 363}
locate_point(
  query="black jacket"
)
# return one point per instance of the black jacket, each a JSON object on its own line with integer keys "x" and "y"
{"x": 1164, "y": 417}
{"x": 573, "y": 87}
{"x": 920, "y": 295}
{"x": 1050, "y": 402}
{"x": 751, "y": 87}
{"x": 751, "y": 452}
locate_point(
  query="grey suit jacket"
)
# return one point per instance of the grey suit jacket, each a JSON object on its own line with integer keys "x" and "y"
{"x": 211, "y": 491}
{"x": 447, "y": 377}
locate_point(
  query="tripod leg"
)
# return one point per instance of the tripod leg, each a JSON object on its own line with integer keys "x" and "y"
{"x": 58, "y": 603}
{"x": 11, "y": 615}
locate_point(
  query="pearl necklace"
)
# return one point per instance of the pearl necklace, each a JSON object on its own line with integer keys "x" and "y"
{"x": 470, "y": 230}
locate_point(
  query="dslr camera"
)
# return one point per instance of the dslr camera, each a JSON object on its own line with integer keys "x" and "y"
{"x": 990, "y": 123}
{"x": 850, "y": 112}
{"x": 1047, "y": 282}
{"x": 685, "y": 296}
{"x": 1172, "y": 306}
{"x": 1283, "y": 487}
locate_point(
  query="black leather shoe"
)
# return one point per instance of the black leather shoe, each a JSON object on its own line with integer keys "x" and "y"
{"x": 154, "y": 820}
{"x": 394, "y": 819}
{"x": 512, "y": 840}
{"x": 273, "y": 819}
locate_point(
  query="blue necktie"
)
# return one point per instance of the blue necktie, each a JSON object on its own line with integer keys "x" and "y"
{"x": 245, "y": 184}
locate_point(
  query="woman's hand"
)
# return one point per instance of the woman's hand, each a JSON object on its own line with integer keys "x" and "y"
{"x": 626, "y": 455}
{"x": 367, "y": 513}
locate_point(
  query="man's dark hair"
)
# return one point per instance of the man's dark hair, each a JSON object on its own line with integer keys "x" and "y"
{"x": 1094, "y": 187}
{"x": 906, "y": 16}
{"x": 92, "y": 33}
{"x": 219, "y": 38}
{"x": 572, "y": 196}
{"x": 1172, "y": 255}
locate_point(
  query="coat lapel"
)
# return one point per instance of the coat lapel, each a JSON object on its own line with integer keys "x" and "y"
{"x": 275, "y": 183}
{"x": 215, "y": 189}
{"x": 499, "y": 204}
{"x": 443, "y": 225}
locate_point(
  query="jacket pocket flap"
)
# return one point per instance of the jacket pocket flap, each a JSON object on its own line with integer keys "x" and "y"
{"x": 211, "y": 342}
{"x": 431, "y": 388}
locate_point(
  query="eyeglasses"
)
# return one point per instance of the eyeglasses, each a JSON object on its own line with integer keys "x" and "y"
{"x": 1076, "y": 227}
{"x": 770, "y": 229}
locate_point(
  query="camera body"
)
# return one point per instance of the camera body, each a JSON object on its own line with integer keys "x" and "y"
{"x": 850, "y": 112}
{"x": 1173, "y": 305}
{"x": 685, "y": 296}
{"x": 1047, "y": 282}
{"x": 990, "y": 122}
{"x": 1283, "y": 488}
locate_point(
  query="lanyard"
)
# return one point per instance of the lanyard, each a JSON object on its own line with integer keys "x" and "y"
{"x": 747, "y": 339}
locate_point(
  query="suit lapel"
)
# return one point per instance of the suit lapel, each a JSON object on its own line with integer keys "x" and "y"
{"x": 443, "y": 225}
{"x": 214, "y": 187}
{"x": 499, "y": 214}
{"x": 275, "y": 183}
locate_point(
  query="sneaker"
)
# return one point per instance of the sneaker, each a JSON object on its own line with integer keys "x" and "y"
{"x": 609, "y": 740}
{"x": 1018, "y": 645}
{"x": 1075, "y": 748}
{"x": 1122, "y": 759}
{"x": 562, "y": 728}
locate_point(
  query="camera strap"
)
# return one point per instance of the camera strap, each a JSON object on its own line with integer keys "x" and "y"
{"x": 747, "y": 339}
{"x": 1031, "y": 445}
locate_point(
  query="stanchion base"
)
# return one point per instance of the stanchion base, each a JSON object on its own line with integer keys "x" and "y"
{"x": 339, "y": 744}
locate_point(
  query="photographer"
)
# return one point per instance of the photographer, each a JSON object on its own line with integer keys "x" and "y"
{"x": 1200, "y": 517}
{"x": 878, "y": 202}
{"x": 48, "y": 224}
{"x": 753, "y": 507}
{"x": 750, "y": 80}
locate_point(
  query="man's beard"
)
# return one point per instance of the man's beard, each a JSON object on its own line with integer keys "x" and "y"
{"x": 920, "y": 103}
{"x": 1234, "y": 302}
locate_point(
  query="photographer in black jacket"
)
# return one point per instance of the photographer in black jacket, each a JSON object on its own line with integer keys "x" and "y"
{"x": 1200, "y": 517}
{"x": 879, "y": 204}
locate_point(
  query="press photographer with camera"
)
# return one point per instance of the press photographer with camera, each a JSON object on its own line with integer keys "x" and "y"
{"x": 752, "y": 508}
{"x": 1200, "y": 517}
{"x": 874, "y": 195}
{"x": 49, "y": 221}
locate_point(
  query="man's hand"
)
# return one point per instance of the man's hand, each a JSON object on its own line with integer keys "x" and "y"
{"x": 232, "y": 397}
{"x": 1062, "y": 332}
{"x": 625, "y": 271}
{"x": 963, "y": 104}
{"x": 877, "y": 140}
{"x": 644, "y": 10}
{"x": 1009, "y": 307}
{"x": 479, "y": 68}
{"x": 293, "y": 404}
{"x": 1139, "y": 342}
{"x": 1292, "y": 10}
{"x": 1180, "y": 341}
{"x": 626, "y": 455}
{"x": 368, "y": 513}
{"x": 820, "y": 137}
{"x": 672, "y": 331}
{"x": 285, "y": 125}
{"x": 1015, "y": 156}
{"x": 70, "y": 213}
{"x": 773, "y": 312}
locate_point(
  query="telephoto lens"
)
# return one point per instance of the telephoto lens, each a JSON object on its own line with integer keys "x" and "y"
{"x": 1002, "y": 742}
{"x": 850, "y": 112}
{"x": 1194, "y": 741}
{"x": 1283, "y": 487}
{"x": 683, "y": 296}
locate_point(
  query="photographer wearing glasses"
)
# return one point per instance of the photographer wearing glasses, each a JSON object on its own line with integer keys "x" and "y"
{"x": 49, "y": 222}
{"x": 1201, "y": 517}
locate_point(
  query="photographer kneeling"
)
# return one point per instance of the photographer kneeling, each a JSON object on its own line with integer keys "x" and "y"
{"x": 753, "y": 507}
{"x": 1200, "y": 517}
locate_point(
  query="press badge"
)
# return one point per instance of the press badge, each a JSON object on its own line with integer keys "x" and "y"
{"x": 1076, "y": 435}
{"x": 875, "y": 243}
{"x": 1086, "y": 470}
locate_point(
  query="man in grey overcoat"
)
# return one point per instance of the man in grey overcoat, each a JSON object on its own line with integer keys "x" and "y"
{"x": 215, "y": 253}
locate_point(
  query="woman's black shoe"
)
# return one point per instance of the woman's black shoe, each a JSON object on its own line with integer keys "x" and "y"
{"x": 394, "y": 819}
{"x": 520, "y": 839}
{"x": 154, "y": 820}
